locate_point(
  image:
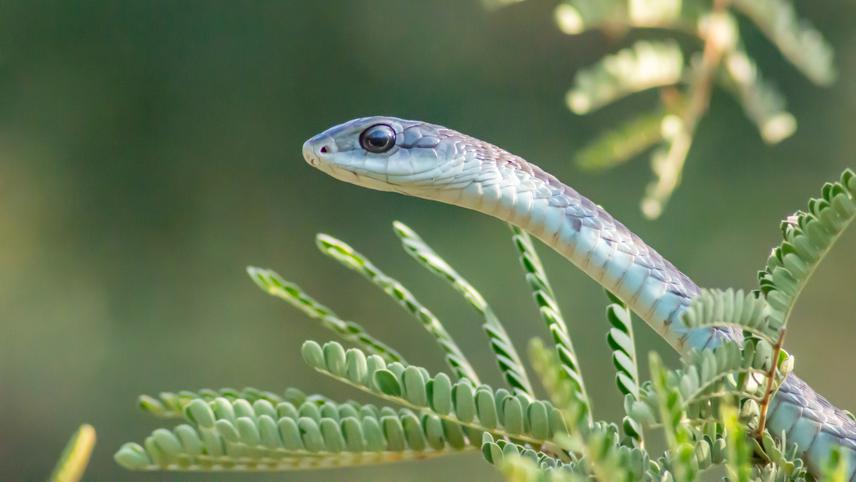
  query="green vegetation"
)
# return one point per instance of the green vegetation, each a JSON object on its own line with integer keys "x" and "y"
{"x": 686, "y": 82}
{"x": 710, "y": 410}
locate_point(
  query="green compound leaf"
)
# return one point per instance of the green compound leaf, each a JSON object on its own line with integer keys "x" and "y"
{"x": 251, "y": 429}
{"x": 739, "y": 463}
{"x": 240, "y": 435}
{"x": 732, "y": 309}
{"x": 645, "y": 65}
{"x": 522, "y": 468}
{"x": 468, "y": 410}
{"x": 605, "y": 456}
{"x": 760, "y": 99}
{"x": 550, "y": 313}
{"x": 621, "y": 144}
{"x": 781, "y": 455}
{"x": 800, "y": 43}
{"x": 807, "y": 237}
{"x": 563, "y": 394}
{"x": 348, "y": 257}
{"x": 670, "y": 406}
{"x": 507, "y": 358}
{"x": 686, "y": 93}
{"x": 709, "y": 441}
{"x": 577, "y": 16}
{"x": 501, "y": 452}
{"x": 622, "y": 342}
{"x": 172, "y": 404}
{"x": 710, "y": 375}
{"x": 710, "y": 448}
{"x": 273, "y": 284}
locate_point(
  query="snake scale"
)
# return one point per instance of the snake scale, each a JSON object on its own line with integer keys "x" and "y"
{"x": 433, "y": 162}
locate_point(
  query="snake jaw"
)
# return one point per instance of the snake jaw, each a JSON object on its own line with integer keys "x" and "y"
{"x": 351, "y": 172}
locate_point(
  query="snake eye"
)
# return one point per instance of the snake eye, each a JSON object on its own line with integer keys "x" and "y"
{"x": 378, "y": 138}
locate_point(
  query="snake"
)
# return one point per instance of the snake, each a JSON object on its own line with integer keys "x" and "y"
{"x": 428, "y": 161}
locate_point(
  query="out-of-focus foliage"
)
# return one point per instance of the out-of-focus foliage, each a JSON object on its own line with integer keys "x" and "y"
{"x": 74, "y": 459}
{"x": 797, "y": 39}
{"x": 631, "y": 138}
{"x": 719, "y": 58}
{"x": 643, "y": 66}
{"x": 761, "y": 101}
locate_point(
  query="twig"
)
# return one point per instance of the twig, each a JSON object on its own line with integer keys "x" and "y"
{"x": 669, "y": 165}
{"x": 768, "y": 391}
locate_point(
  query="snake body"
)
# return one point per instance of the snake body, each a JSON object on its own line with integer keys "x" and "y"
{"x": 433, "y": 162}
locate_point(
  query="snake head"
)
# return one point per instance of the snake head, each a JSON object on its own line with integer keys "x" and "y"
{"x": 384, "y": 153}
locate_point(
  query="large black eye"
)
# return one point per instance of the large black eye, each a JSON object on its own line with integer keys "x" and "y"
{"x": 378, "y": 138}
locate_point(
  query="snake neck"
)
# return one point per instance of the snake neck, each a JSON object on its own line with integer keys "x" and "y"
{"x": 520, "y": 193}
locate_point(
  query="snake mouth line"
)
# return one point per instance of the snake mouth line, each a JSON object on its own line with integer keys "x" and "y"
{"x": 352, "y": 176}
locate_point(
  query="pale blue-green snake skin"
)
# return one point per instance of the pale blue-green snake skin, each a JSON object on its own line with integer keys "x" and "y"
{"x": 432, "y": 162}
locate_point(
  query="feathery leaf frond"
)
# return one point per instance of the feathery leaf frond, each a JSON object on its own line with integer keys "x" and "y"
{"x": 685, "y": 82}
{"x": 172, "y": 404}
{"x": 564, "y": 395}
{"x": 577, "y": 16}
{"x": 223, "y": 434}
{"x": 520, "y": 468}
{"x": 510, "y": 363}
{"x": 549, "y": 310}
{"x": 350, "y": 258}
{"x": 760, "y": 99}
{"x": 795, "y": 37}
{"x": 712, "y": 374}
{"x": 475, "y": 409}
{"x": 605, "y": 457}
{"x": 808, "y": 236}
{"x": 645, "y": 65}
{"x": 528, "y": 439}
{"x": 622, "y": 342}
{"x": 626, "y": 141}
{"x": 732, "y": 309}
{"x": 781, "y": 454}
{"x": 710, "y": 448}
{"x": 273, "y": 284}
{"x": 496, "y": 450}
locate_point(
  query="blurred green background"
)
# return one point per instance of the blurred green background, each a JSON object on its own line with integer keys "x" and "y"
{"x": 150, "y": 150}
